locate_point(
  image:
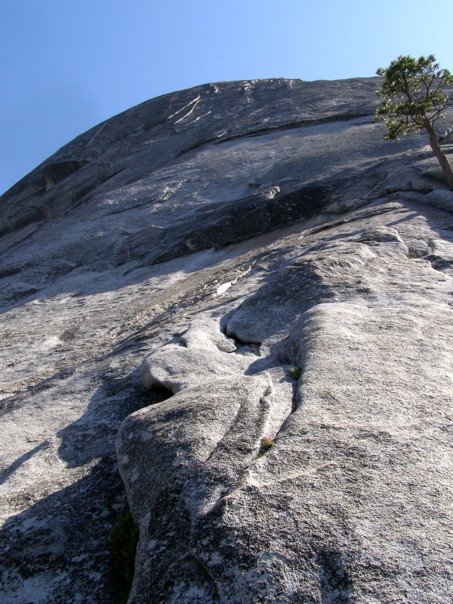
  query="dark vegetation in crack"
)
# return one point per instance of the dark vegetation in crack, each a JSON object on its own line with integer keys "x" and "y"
{"x": 123, "y": 545}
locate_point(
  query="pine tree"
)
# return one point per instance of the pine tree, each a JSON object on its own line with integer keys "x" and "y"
{"x": 413, "y": 99}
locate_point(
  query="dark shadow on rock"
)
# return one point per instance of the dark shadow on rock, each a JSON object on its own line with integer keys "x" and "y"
{"x": 58, "y": 550}
{"x": 440, "y": 220}
{"x": 62, "y": 542}
{"x": 243, "y": 219}
{"x": 5, "y": 474}
{"x": 93, "y": 435}
{"x": 336, "y": 585}
{"x": 285, "y": 296}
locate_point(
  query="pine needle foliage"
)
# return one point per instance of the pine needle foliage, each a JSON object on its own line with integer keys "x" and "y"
{"x": 413, "y": 95}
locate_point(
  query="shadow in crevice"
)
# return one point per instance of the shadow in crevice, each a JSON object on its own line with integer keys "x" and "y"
{"x": 55, "y": 172}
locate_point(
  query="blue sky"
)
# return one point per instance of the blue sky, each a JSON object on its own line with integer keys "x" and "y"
{"x": 66, "y": 65}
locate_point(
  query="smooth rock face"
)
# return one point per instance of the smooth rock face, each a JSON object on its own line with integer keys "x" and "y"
{"x": 249, "y": 291}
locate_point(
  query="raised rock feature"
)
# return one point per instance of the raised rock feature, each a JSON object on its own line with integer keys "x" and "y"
{"x": 248, "y": 290}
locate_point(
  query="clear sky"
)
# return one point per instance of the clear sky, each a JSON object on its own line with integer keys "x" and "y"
{"x": 66, "y": 65}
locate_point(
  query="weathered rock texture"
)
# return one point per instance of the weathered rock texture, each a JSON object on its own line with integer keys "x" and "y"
{"x": 213, "y": 267}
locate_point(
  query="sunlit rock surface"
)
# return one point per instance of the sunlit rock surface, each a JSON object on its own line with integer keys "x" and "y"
{"x": 236, "y": 262}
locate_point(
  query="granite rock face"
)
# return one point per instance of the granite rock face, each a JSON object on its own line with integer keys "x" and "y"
{"x": 233, "y": 304}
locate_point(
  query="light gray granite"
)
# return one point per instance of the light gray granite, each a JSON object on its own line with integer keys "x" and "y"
{"x": 234, "y": 262}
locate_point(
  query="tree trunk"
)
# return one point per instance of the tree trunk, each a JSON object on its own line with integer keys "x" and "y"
{"x": 443, "y": 161}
